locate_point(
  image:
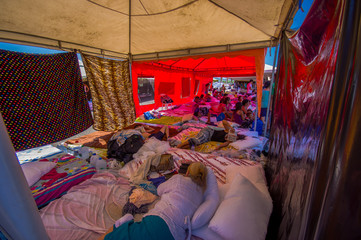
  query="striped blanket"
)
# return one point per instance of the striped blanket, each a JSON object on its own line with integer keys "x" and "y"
{"x": 217, "y": 163}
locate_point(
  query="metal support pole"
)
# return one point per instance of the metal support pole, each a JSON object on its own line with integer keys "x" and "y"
{"x": 19, "y": 216}
{"x": 130, "y": 27}
{"x": 271, "y": 85}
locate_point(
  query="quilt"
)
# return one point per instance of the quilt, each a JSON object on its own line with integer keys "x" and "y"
{"x": 42, "y": 94}
{"x": 72, "y": 171}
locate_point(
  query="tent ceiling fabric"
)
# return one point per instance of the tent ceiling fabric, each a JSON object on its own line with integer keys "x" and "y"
{"x": 155, "y": 26}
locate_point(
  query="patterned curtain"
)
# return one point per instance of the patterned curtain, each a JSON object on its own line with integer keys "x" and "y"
{"x": 42, "y": 98}
{"x": 112, "y": 93}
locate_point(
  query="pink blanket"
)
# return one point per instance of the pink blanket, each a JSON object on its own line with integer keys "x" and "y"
{"x": 81, "y": 213}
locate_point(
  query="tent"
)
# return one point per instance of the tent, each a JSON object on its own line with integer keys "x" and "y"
{"x": 147, "y": 30}
{"x": 183, "y": 78}
{"x": 140, "y": 31}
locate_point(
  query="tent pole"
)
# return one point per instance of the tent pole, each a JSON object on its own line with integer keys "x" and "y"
{"x": 271, "y": 85}
{"x": 255, "y": 119}
{"x": 130, "y": 27}
{"x": 19, "y": 216}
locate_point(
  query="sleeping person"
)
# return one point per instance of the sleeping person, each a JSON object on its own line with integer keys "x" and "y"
{"x": 146, "y": 130}
{"x": 180, "y": 197}
{"x": 207, "y": 134}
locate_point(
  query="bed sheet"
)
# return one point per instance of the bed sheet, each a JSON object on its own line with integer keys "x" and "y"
{"x": 77, "y": 170}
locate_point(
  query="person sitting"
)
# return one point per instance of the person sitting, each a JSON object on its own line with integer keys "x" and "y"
{"x": 238, "y": 115}
{"x": 265, "y": 100}
{"x": 180, "y": 197}
{"x": 195, "y": 108}
{"x": 245, "y": 104}
{"x": 201, "y": 98}
{"x": 222, "y": 111}
{"x": 207, "y": 134}
{"x": 239, "y": 102}
{"x": 208, "y": 98}
{"x": 249, "y": 87}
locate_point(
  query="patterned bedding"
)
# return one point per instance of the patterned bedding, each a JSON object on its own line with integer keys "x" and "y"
{"x": 77, "y": 170}
{"x": 209, "y": 147}
{"x": 164, "y": 120}
{"x": 217, "y": 163}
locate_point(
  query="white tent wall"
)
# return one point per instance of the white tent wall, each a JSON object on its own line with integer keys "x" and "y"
{"x": 18, "y": 212}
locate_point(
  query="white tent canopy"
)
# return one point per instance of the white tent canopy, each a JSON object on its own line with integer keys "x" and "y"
{"x": 153, "y": 29}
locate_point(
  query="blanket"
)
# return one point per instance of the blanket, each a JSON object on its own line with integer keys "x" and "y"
{"x": 42, "y": 99}
{"x": 96, "y": 139}
{"x": 82, "y": 213}
{"x": 68, "y": 172}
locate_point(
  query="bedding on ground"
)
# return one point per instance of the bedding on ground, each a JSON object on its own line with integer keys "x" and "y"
{"x": 66, "y": 172}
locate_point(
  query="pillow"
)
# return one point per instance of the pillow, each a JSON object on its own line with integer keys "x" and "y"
{"x": 187, "y": 117}
{"x": 206, "y": 233}
{"x": 244, "y": 213}
{"x": 254, "y": 174}
{"x": 206, "y": 210}
{"x": 248, "y": 142}
{"x": 33, "y": 171}
{"x": 223, "y": 189}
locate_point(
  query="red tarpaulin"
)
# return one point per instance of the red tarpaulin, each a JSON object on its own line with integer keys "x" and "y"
{"x": 183, "y": 78}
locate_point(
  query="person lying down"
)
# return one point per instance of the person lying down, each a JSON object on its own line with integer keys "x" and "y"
{"x": 180, "y": 197}
{"x": 226, "y": 136}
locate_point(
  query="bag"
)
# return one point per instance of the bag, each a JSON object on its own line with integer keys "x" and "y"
{"x": 231, "y": 136}
{"x": 166, "y": 163}
{"x": 125, "y": 151}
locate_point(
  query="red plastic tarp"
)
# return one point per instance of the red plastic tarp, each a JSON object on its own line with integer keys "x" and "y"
{"x": 170, "y": 75}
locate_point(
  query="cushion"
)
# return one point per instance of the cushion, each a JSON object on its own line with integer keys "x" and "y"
{"x": 33, "y": 171}
{"x": 223, "y": 189}
{"x": 206, "y": 233}
{"x": 208, "y": 207}
{"x": 254, "y": 174}
{"x": 248, "y": 142}
{"x": 244, "y": 213}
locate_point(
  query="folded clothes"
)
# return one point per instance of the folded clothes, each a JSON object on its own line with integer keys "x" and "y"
{"x": 157, "y": 181}
{"x": 141, "y": 196}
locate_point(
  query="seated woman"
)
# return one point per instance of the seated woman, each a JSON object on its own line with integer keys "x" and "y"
{"x": 207, "y": 134}
{"x": 180, "y": 197}
{"x": 223, "y": 111}
{"x": 238, "y": 115}
{"x": 239, "y": 102}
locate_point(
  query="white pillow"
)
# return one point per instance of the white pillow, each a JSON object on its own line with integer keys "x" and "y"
{"x": 223, "y": 189}
{"x": 248, "y": 142}
{"x": 33, "y": 171}
{"x": 255, "y": 174}
{"x": 206, "y": 210}
{"x": 244, "y": 213}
